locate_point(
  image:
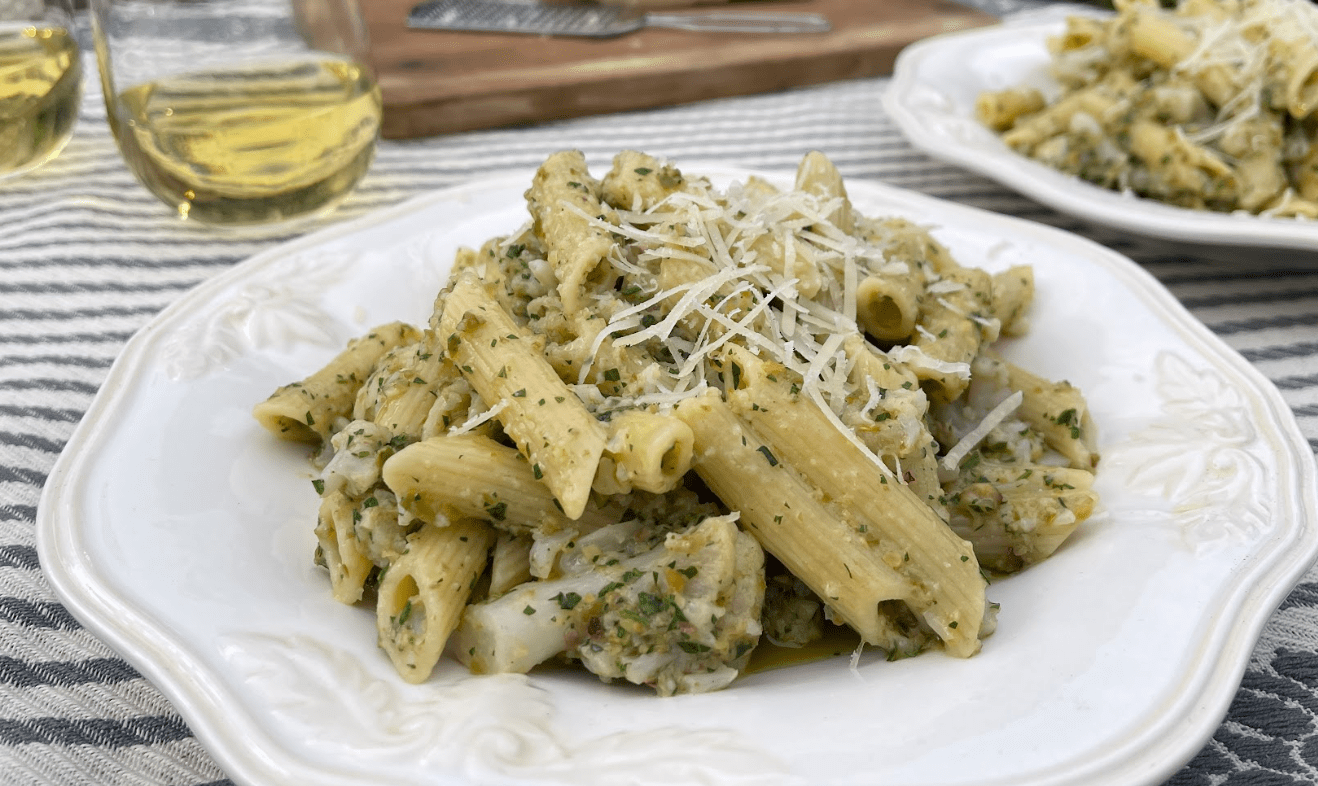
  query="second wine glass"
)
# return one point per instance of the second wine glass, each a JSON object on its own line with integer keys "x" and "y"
{"x": 240, "y": 111}
{"x": 40, "y": 82}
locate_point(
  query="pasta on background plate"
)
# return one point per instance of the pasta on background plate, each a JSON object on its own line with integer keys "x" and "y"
{"x": 1209, "y": 105}
{"x": 661, "y": 422}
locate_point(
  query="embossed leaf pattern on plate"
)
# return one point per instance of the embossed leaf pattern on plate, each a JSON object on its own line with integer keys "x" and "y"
{"x": 283, "y": 306}
{"x": 1203, "y": 456}
{"x": 482, "y": 726}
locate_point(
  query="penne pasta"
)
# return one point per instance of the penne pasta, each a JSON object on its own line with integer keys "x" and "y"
{"x": 662, "y": 418}
{"x": 562, "y": 441}
{"x": 469, "y": 476}
{"x": 423, "y": 593}
{"x": 646, "y": 451}
{"x": 1185, "y": 105}
{"x": 306, "y": 411}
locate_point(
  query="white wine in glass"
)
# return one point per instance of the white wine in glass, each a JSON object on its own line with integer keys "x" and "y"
{"x": 278, "y": 132}
{"x": 40, "y": 85}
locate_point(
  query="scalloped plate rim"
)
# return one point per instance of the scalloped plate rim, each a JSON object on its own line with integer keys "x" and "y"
{"x": 1068, "y": 194}
{"x": 73, "y": 574}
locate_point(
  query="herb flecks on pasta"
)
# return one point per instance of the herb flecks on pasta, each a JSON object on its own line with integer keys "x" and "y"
{"x": 1209, "y": 105}
{"x": 663, "y": 421}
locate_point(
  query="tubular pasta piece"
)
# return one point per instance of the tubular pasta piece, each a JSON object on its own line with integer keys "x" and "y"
{"x": 1058, "y": 411}
{"x": 424, "y": 591}
{"x": 543, "y": 416}
{"x": 645, "y": 450}
{"x": 820, "y": 545}
{"x": 348, "y": 565}
{"x": 576, "y": 247}
{"x": 472, "y": 476}
{"x": 949, "y": 593}
{"x": 306, "y": 411}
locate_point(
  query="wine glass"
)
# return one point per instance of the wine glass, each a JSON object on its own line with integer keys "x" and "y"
{"x": 40, "y": 82}
{"x": 240, "y": 111}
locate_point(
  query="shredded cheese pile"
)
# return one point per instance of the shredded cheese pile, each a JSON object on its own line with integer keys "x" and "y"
{"x": 805, "y": 334}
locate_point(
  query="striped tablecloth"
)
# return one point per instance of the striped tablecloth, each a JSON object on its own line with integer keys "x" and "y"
{"x": 87, "y": 257}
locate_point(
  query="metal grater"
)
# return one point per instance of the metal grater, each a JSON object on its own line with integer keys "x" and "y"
{"x": 597, "y": 21}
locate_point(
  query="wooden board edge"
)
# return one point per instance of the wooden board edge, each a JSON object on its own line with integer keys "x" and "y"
{"x": 680, "y": 83}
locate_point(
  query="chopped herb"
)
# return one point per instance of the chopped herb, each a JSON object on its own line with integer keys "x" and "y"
{"x": 650, "y": 604}
{"x": 567, "y": 600}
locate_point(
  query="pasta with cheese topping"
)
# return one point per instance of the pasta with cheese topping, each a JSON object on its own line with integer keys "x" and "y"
{"x": 1209, "y": 105}
{"x": 663, "y": 421}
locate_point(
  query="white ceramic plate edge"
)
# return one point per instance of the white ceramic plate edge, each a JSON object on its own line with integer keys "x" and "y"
{"x": 72, "y": 572}
{"x": 927, "y": 129}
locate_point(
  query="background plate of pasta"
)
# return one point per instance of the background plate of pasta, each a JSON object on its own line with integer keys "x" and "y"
{"x": 632, "y": 471}
{"x": 1192, "y": 124}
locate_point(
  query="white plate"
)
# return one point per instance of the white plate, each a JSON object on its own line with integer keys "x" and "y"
{"x": 931, "y": 98}
{"x": 180, "y": 532}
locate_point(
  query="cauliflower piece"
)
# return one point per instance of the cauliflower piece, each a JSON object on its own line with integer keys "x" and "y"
{"x": 1016, "y": 515}
{"x": 688, "y": 626}
{"x": 360, "y": 448}
{"x": 682, "y": 617}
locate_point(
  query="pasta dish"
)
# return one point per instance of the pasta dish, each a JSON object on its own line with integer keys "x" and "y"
{"x": 1209, "y": 105}
{"x": 663, "y": 421}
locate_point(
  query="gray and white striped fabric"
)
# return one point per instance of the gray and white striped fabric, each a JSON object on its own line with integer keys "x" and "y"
{"x": 87, "y": 257}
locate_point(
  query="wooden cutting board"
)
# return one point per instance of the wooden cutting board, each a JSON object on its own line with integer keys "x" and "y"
{"x": 441, "y": 82}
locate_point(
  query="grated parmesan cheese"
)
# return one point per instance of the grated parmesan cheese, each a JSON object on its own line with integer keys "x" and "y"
{"x": 952, "y": 459}
{"x": 478, "y": 418}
